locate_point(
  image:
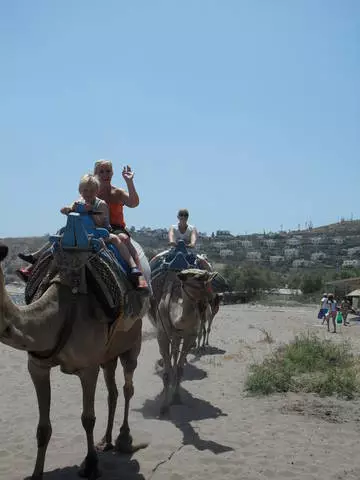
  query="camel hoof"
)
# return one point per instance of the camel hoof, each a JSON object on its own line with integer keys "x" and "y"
{"x": 89, "y": 468}
{"x": 176, "y": 399}
{"x": 124, "y": 444}
{"x": 164, "y": 410}
{"x": 83, "y": 473}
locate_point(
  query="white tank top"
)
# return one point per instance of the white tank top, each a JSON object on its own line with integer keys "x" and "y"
{"x": 186, "y": 236}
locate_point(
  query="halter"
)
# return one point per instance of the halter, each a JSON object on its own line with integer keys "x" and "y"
{"x": 205, "y": 287}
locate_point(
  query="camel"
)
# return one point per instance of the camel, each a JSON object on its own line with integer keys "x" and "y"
{"x": 177, "y": 309}
{"x": 207, "y": 318}
{"x": 70, "y": 329}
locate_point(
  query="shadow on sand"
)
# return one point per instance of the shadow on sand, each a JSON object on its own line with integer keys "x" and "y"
{"x": 191, "y": 409}
{"x": 191, "y": 371}
{"x": 207, "y": 350}
{"x": 113, "y": 466}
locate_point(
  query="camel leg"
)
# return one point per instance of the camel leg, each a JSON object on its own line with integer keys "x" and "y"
{"x": 203, "y": 334}
{"x": 109, "y": 376}
{"x": 179, "y": 368}
{"x": 164, "y": 348}
{"x": 88, "y": 378}
{"x": 41, "y": 379}
{"x": 209, "y": 329}
{"x": 200, "y": 335}
{"x": 128, "y": 360}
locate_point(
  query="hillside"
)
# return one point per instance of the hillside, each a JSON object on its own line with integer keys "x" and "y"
{"x": 334, "y": 247}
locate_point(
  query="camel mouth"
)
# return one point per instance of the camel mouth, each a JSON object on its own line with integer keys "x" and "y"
{"x": 6, "y": 333}
{"x": 3, "y": 251}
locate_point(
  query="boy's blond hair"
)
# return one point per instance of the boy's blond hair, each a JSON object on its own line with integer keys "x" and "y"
{"x": 102, "y": 163}
{"x": 89, "y": 180}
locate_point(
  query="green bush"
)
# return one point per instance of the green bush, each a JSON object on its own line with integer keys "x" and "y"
{"x": 308, "y": 364}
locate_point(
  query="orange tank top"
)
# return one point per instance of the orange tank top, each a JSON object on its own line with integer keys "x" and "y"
{"x": 116, "y": 211}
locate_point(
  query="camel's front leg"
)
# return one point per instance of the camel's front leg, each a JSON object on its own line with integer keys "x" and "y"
{"x": 164, "y": 348}
{"x": 109, "y": 376}
{"x": 88, "y": 377}
{"x": 41, "y": 379}
{"x": 179, "y": 367}
{"x": 209, "y": 329}
{"x": 200, "y": 335}
{"x": 129, "y": 362}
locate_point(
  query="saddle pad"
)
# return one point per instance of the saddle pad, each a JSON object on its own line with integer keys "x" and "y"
{"x": 103, "y": 277}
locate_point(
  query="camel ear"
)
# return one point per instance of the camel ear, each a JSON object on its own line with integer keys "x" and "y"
{"x": 3, "y": 251}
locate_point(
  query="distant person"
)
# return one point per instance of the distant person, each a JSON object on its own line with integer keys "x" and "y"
{"x": 332, "y": 306}
{"x": 346, "y": 308}
{"x": 323, "y": 308}
{"x": 183, "y": 230}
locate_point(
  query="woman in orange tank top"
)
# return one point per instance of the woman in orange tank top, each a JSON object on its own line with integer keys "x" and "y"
{"x": 116, "y": 198}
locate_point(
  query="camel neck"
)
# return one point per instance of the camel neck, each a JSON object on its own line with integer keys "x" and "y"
{"x": 25, "y": 327}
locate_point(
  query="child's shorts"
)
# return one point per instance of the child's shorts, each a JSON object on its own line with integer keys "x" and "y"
{"x": 322, "y": 313}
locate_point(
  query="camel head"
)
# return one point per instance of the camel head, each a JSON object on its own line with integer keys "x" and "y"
{"x": 197, "y": 283}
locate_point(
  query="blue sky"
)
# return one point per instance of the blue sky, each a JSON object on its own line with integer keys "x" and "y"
{"x": 245, "y": 112}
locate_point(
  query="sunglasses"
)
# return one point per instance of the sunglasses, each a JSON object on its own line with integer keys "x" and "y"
{"x": 105, "y": 171}
{"x": 182, "y": 215}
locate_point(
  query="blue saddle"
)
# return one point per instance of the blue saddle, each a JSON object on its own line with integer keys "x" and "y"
{"x": 79, "y": 234}
{"x": 176, "y": 259}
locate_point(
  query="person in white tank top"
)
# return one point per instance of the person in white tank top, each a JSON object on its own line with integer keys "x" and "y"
{"x": 183, "y": 230}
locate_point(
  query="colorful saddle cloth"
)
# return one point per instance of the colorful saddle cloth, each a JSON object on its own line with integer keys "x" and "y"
{"x": 99, "y": 268}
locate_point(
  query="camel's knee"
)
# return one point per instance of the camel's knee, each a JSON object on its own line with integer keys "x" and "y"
{"x": 43, "y": 435}
{"x": 113, "y": 393}
{"x": 166, "y": 379}
{"x": 129, "y": 362}
{"x": 88, "y": 422}
{"x": 128, "y": 390}
{"x": 179, "y": 373}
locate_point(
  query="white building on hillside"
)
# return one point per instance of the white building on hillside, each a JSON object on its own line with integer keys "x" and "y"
{"x": 246, "y": 243}
{"x": 226, "y": 252}
{"x": 316, "y": 240}
{"x": 350, "y": 263}
{"x": 318, "y": 256}
{"x": 300, "y": 262}
{"x": 276, "y": 259}
{"x": 255, "y": 256}
{"x": 269, "y": 242}
{"x": 294, "y": 242}
{"x": 291, "y": 252}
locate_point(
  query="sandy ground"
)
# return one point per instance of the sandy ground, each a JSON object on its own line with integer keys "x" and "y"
{"x": 219, "y": 432}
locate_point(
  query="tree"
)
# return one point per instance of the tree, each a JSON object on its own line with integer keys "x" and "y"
{"x": 311, "y": 284}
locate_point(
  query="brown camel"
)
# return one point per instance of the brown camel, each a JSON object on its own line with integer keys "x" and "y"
{"x": 69, "y": 329}
{"x": 179, "y": 303}
{"x": 207, "y": 318}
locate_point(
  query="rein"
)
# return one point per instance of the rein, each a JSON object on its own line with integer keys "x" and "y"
{"x": 63, "y": 336}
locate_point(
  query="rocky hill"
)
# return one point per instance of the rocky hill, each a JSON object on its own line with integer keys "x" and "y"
{"x": 329, "y": 247}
